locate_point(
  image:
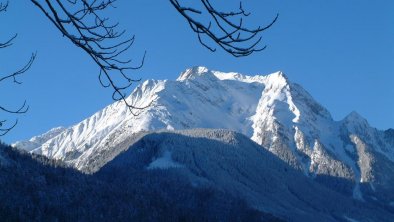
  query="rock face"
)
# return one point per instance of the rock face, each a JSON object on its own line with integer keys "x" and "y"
{"x": 348, "y": 155}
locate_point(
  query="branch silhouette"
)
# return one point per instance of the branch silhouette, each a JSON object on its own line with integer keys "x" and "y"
{"x": 232, "y": 36}
{"x": 83, "y": 23}
{"x": 4, "y": 127}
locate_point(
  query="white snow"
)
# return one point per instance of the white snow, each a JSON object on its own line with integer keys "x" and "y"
{"x": 164, "y": 162}
{"x": 258, "y": 106}
{"x": 350, "y": 219}
{"x": 37, "y": 141}
{"x": 372, "y": 186}
{"x": 357, "y": 194}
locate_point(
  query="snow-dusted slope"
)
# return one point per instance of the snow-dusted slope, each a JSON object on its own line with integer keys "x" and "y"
{"x": 37, "y": 141}
{"x": 233, "y": 163}
{"x": 188, "y": 175}
{"x": 196, "y": 99}
{"x": 276, "y": 113}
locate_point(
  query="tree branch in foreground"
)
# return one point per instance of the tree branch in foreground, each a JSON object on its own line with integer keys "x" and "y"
{"x": 82, "y": 23}
{"x": 14, "y": 76}
{"x": 232, "y": 36}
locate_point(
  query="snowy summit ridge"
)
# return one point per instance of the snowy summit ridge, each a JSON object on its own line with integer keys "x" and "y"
{"x": 270, "y": 109}
{"x": 193, "y": 73}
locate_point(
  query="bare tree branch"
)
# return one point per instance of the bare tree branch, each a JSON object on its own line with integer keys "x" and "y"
{"x": 4, "y": 131}
{"x": 3, "y": 6}
{"x": 14, "y": 75}
{"x": 8, "y": 43}
{"x": 24, "y": 107}
{"x": 231, "y": 36}
{"x": 82, "y": 23}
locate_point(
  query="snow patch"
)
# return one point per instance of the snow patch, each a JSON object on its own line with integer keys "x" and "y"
{"x": 350, "y": 219}
{"x": 164, "y": 162}
{"x": 37, "y": 141}
{"x": 192, "y": 73}
{"x": 357, "y": 194}
{"x": 372, "y": 187}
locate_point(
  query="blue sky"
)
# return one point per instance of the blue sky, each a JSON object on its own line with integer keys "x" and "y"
{"x": 340, "y": 51}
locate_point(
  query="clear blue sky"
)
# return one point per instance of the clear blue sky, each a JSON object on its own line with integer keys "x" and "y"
{"x": 340, "y": 51}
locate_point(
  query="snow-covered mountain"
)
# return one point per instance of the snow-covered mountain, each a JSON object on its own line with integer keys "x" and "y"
{"x": 348, "y": 155}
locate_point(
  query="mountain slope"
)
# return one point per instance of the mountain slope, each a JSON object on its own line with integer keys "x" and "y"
{"x": 193, "y": 175}
{"x": 37, "y": 141}
{"x": 231, "y": 162}
{"x": 35, "y": 188}
{"x": 348, "y": 155}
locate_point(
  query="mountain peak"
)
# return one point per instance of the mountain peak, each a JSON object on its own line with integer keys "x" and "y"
{"x": 279, "y": 74}
{"x": 354, "y": 120}
{"x": 193, "y": 72}
{"x": 354, "y": 116}
{"x": 278, "y": 78}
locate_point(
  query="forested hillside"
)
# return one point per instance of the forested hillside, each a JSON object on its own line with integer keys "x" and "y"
{"x": 34, "y": 188}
